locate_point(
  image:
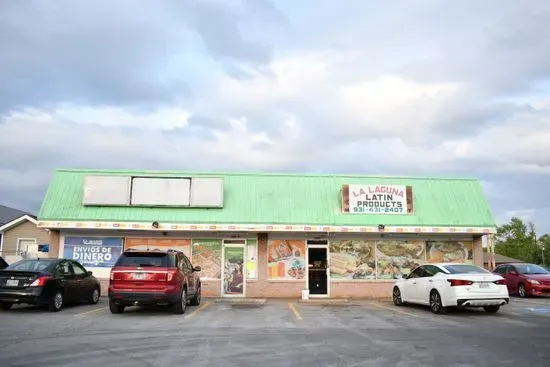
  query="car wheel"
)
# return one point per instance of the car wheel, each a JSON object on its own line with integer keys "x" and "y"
{"x": 195, "y": 301}
{"x": 5, "y": 306}
{"x": 179, "y": 307}
{"x": 491, "y": 309}
{"x": 115, "y": 308}
{"x": 397, "y": 297}
{"x": 521, "y": 291}
{"x": 94, "y": 297}
{"x": 57, "y": 301}
{"x": 436, "y": 304}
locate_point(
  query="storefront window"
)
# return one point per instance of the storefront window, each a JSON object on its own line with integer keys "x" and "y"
{"x": 352, "y": 259}
{"x": 252, "y": 259}
{"x": 286, "y": 259}
{"x": 398, "y": 258}
{"x": 183, "y": 245}
{"x": 208, "y": 255}
{"x": 450, "y": 251}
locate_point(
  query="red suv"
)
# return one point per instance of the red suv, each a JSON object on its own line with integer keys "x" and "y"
{"x": 141, "y": 278}
{"x": 525, "y": 279}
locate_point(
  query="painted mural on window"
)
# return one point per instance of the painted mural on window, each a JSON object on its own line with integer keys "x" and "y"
{"x": 233, "y": 279}
{"x": 208, "y": 255}
{"x": 352, "y": 259}
{"x": 398, "y": 258}
{"x": 286, "y": 259}
{"x": 449, "y": 251}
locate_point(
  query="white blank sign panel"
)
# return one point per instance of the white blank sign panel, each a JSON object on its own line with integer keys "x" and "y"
{"x": 106, "y": 190}
{"x": 160, "y": 191}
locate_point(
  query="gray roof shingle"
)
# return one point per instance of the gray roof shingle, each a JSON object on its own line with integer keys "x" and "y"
{"x": 8, "y": 214}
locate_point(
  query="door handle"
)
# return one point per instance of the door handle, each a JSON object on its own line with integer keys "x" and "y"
{"x": 414, "y": 282}
{"x": 430, "y": 280}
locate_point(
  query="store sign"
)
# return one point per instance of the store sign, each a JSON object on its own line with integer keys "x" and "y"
{"x": 378, "y": 199}
{"x": 98, "y": 252}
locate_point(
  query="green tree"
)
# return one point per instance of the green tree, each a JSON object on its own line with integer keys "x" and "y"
{"x": 544, "y": 247}
{"x": 518, "y": 240}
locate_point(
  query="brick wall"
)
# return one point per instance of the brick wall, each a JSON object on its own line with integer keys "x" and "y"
{"x": 373, "y": 290}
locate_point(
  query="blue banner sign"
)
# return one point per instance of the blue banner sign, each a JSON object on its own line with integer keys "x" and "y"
{"x": 97, "y": 252}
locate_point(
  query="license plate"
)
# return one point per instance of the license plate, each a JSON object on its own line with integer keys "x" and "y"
{"x": 12, "y": 282}
{"x": 484, "y": 285}
{"x": 139, "y": 276}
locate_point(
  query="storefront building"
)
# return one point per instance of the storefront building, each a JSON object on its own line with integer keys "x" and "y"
{"x": 268, "y": 235}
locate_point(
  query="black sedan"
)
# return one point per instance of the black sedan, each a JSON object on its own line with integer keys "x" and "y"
{"x": 47, "y": 282}
{"x": 3, "y": 263}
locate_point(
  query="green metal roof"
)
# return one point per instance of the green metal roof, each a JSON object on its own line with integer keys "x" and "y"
{"x": 263, "y": 198}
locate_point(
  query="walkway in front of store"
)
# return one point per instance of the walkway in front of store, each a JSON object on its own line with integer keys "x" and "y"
{"x": 277, "y": 332}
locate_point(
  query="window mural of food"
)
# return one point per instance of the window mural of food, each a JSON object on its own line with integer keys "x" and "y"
{"x": 449, "y": 251}
{"x": 352, "y": 259}
{"x": 398, "y": 258}
{"x": 286, "y": 259}
{"x": 208, "y": 255}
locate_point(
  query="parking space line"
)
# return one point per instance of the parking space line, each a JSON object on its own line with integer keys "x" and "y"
{"x": 295, "y": 310}
{"x": 532, "y": 303}
{"x": 197, "y": 310}
{"x": 89, "y": 312}
{"x": 393, "y": 309}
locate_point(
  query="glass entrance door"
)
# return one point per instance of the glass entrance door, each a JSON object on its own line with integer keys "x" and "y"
{"x": 318, "y": 272}
{"x": 233, "y": 274}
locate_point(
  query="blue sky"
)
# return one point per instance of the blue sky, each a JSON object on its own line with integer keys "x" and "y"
{"x": 397, "y": 87}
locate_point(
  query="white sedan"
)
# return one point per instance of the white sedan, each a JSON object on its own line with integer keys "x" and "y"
{"x": 452, "y": 285}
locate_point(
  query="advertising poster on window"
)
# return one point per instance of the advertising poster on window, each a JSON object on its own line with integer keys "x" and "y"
{"x": 378, "y": 199}
{"x": 208, "y": 255}
{"x": 96, "y": 252}
{"x": 183, "y": 245}
{"x": 286, "y": 259}
{"x": 450, "y": 251}
{"x": 233, "y": 279}
{"x": 352, "y": 259}
{"x": 398, "y": 258}
{"x": 251, "y": 259}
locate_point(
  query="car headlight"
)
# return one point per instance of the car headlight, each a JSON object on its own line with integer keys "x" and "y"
{"x": 533, "y": 281}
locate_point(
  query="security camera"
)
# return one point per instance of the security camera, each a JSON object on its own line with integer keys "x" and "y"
{"x": 155, "y": 224}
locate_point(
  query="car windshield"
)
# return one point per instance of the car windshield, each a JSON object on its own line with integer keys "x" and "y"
{"x": 531, "y": 269}
{"x": 464, "y": 269}
{"x": 31, "y": 265}
{"x": 143, "y": 259}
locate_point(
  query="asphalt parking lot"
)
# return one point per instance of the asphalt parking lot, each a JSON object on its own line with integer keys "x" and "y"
{"x": 277, "y": 333}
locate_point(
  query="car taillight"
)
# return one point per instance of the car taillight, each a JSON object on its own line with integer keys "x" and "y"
{"x": 171, "y": 274}
{"x": 501, "y": 282}
{"x": 40, "y": 281}
{"x": 459, "y": 282}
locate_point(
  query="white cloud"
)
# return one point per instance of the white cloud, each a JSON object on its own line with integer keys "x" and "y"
{"x": 394, "y": 105}
{"x": 288, "y": 78}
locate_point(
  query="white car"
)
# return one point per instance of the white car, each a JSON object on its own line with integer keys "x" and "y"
{"x": 452, "y": 285}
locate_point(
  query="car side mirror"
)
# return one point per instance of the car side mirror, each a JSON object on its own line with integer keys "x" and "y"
{"x": 197, "y": 268}
{"x": 89, "y": 273}
{"x": 513, "y": 272}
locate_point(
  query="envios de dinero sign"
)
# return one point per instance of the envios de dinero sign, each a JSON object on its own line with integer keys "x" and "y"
{"x": 378, "y": 199}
